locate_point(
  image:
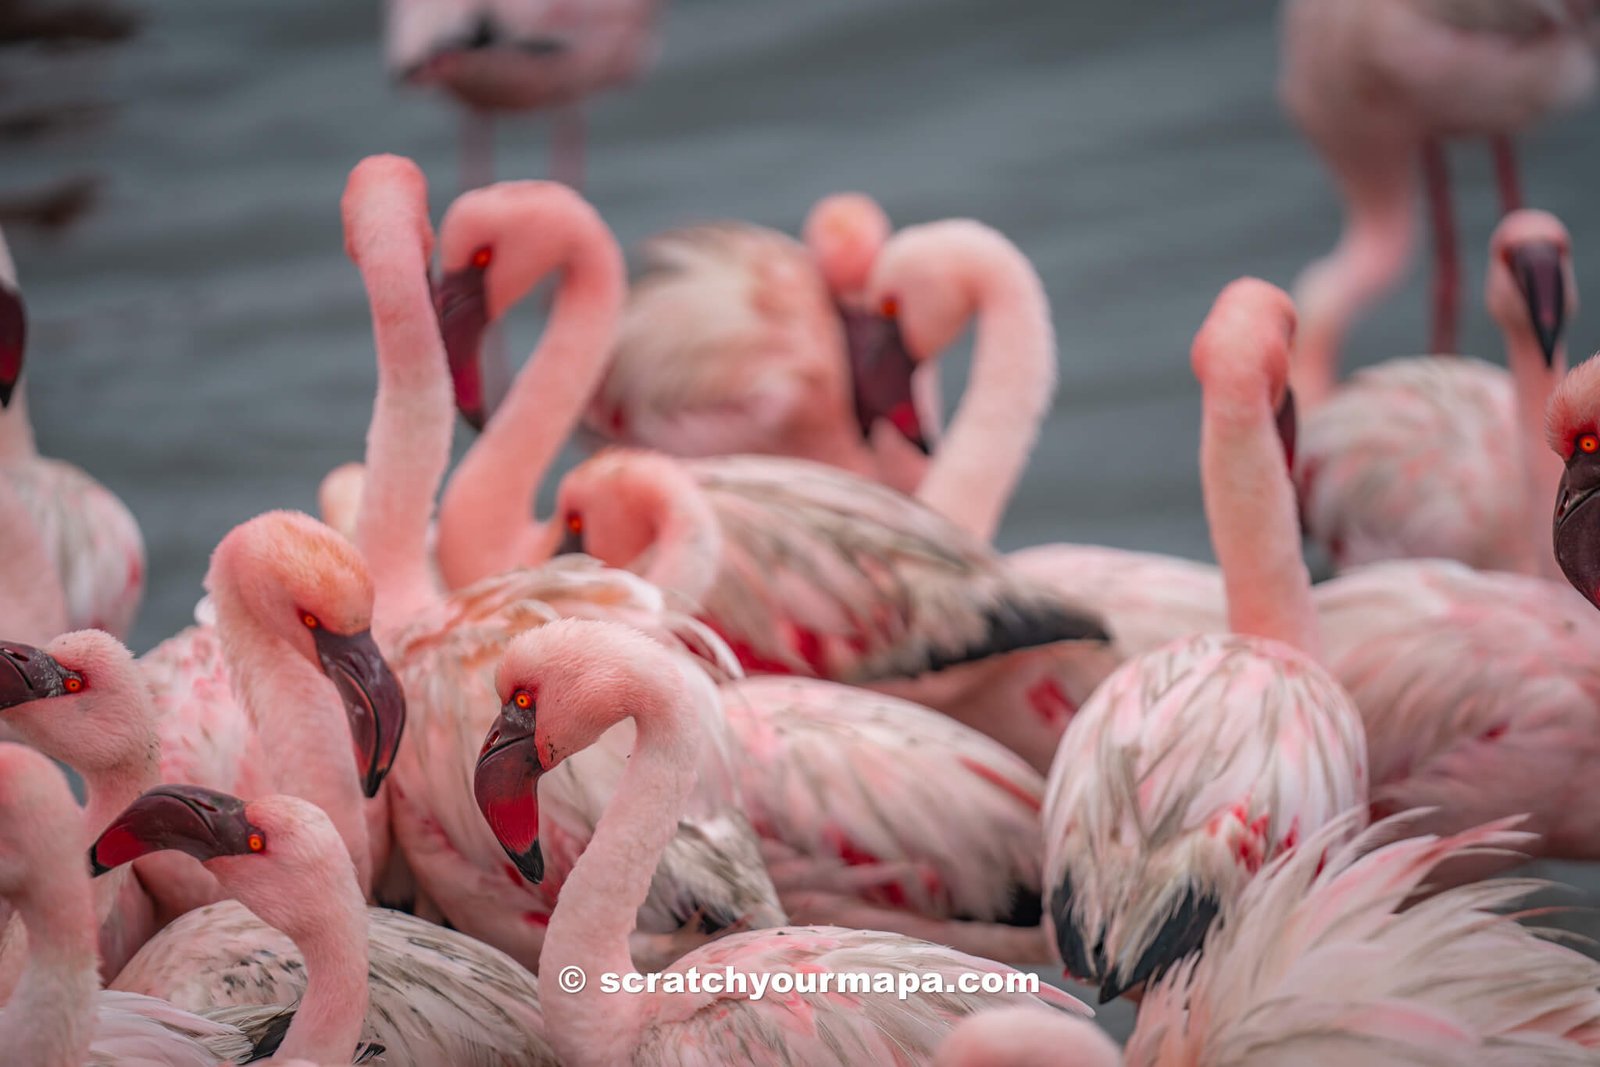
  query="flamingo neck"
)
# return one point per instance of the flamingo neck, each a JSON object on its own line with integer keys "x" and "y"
{"x": 111, "y": 789}
{"x": 333, "y": 940}
{"x": 686, "y": 549}
{"x": 486, "y": 525}
{"x": 299, "y": 722}
{"x": 16, "y": 429}
{"x": 1250, "y": 508}
{"x": 1533, "y": 383}
{"x": 408, "y": 440}
{"x": 30, "y": 588}
{"x": 598, "y": 907}
{"x": 1011, "y": 386}
{"x": 49, "y": 1020}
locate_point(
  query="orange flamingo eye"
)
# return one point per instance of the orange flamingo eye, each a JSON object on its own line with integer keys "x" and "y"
{"x": 1589, "y": 444}
{"x": 483, "y": 257}
{"x": 310, "y": 620}
{"x": 73, "y": 684}
{"x": 575, "y": 523}
{"x": 522, "y": 700}
{"x": 256, "y": 842}
{"x": 890, "y": 307}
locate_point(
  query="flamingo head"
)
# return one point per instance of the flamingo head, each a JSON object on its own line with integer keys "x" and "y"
{"x": 845, "y": 232}
{"x": 561, "y": 686}
{"x": 612, "y": 506}
{"x": 308, "y": 587}
{"x": 38, "y": 817}
{"x": 204, "y": 823}
{"x": 79, "y": 699}
{"x": 1530, "y": 286}
{"x": 1242, "y": 350}
{"x": 1573, "y": 428}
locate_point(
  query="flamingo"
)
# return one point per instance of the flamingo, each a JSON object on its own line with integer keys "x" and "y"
{"x": 1411, "y": 457}
{"x": 563, "y": 685}
{"x": 1321, "y": 962}
{"x": 736, "y": 339}
{"x": 93, "y": 541}
{"x": 57, "y": 1014}
{"x": 1194, "y": 764}
{"x": 1378, "y": 86}
{"x": 299, "y": 932}
{"x": 520, "y": 55}
{"x": 446, "y": 646}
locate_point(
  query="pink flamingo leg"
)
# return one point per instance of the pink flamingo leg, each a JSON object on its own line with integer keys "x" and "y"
{"x": 567, "y": 151}
{"x": 1446, "y": 257}
{"x": 1505, "y": 174}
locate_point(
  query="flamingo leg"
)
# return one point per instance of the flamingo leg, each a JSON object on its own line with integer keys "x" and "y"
{"x": 477, "y": 149}
{"x": 1505, "y": 174}
{"x": 567, "y": 147}
{"x": 1446, "y": 256}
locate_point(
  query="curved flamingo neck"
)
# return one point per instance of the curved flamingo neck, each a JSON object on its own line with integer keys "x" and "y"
{"x": 299, "y": 721}
{"x": 331, "y": 934}
{"x": 1533, "y": 383}
{"x": 49, "y": 1019}
{"x": 485, "y": 522}
{"x": 1009, "y": 392}
{"x": 598, "y": 907}
{"x": 413, "y": 417}
{"x": 686, "y": 539}
{"x": 16, "y": 428}
{"x": 1251, "y": 511}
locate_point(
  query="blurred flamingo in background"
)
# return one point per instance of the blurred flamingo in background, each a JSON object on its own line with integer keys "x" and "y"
{"x": 1443, "y": 456}
{"x": 496, "y": 56}
{"x": 1379, "y": 86}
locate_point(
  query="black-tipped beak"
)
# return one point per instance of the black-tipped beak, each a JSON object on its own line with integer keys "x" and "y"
{"x": 462, "y": 307}
{"x": 1576, "y": 527}
{"x": 1182, "y": 934}
{"x": 203, "y": 823}
{"x": 1288, "y": 426}
{"x": 880, "y": 369}
{"x": 13, "y": 340}
{"x": 373, "y": 700}
{"x": 28, "y": 674}
{"x": 1540, "y": 276}
{"x": 571, "y": 543}
{"x": 506, "y": 785}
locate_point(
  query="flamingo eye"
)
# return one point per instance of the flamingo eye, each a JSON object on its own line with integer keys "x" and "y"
{"x": 522, "y": 699}
{"x": 1589, "y": 444}
{"x": 483, "y": 257}
{"x": 574, "y": 522}
{"x": 73, "y": 683}
{"x": 311, "y": 621}
{"x": 256, "y": 842}
{"x": 890, "y": 308}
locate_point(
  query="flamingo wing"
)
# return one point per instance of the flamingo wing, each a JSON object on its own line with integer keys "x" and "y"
{"x": 140, "y": 1031}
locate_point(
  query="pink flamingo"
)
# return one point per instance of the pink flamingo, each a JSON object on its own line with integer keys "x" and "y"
{"x": 1322, "y": 962}
{"x": 807, "y": 570}
{"x": 446, "y": 646}
{"x": 880, "y": 814}
{"x": 1378, "y": 86}
{"x": 1410, "y": 458}
{"x": 94, "y": 544}
{"x": 737, "y": 339}
{"x": 1194, "y": 764}
{"x": 298, "y": 932}
{"x": 520, "y": 55}
{"x": 57, "y": 1014}
{"x": 563, "y": 686}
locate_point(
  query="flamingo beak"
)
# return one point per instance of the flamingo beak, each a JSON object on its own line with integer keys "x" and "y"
{"x": 1537, "y": 267}
{"x": 1288, "y": 425}
{"x": 881, "y": 367}
{"x": 373, "y": 700}
{"x": 462, "y": 307}
{"x": 506, "y": 785}
{"x": 1576, "y": 528}
{"x": 571, "y": 543}
{"x": 203, "y": 823}
{"x": 13, "y": 336}
{"x": 28, "y": 674}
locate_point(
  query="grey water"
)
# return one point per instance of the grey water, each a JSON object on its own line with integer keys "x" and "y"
{"x": 200, "y": 342}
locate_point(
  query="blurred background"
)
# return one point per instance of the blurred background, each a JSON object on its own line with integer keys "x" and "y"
{"x": 201, "y": 344}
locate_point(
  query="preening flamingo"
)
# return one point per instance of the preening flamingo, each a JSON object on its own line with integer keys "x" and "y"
{"x": 446, "y": 647}
{"x": 299, "y": 933}
{"x": 93, "y": 541}
{"x": 1321, "y": 962}
{"x": 808, "y": 570}
{"x": 1379, "y": 86}
{"x": 880, "y": 814}
{"x": 1194, "y": 764}
{"x": 496, "y": 56}
{"x": 57, "y": 1013}
{"x": 563, "y": 686}
{"x": 1442, "y": 456}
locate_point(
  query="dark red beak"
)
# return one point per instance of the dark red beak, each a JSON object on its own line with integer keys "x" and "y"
{"x": 1539, "y": 274}
{"x": 187, "y": 818}
{"x": 880, "y": 370}
{"x": 1576, "y": 528}
{"x": 506, "y": 785}
{"x": 13, "y": 339}
{"x": 1288, "y": 425}
{"x": 463, "y": 311}
{"x": 373, "y": 700}
{"x": 28, "y": 674}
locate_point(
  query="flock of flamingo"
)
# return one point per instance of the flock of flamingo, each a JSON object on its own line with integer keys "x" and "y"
{"x": 761, "y": 695}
